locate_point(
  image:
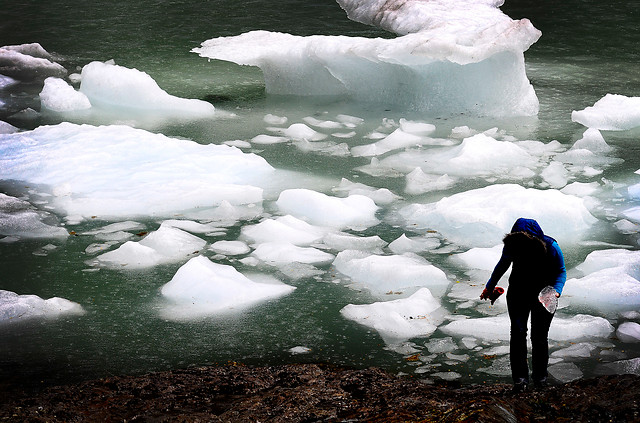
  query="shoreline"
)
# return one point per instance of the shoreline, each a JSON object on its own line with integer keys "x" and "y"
{"x": 318, "y": 392}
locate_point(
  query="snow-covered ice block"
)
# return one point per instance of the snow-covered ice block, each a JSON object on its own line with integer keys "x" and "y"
{"x": 58, "y": 96}
{"x": 279, "y": 253}
{"x": 284, "y": 229}
{"x": 378, "y": 195}
{"x": 165, "y": 245}
{"x": 114, "y": 86}
{"x": 201, "y": 287}
{"x": 479, "y": 258}
{"x": 28, "y": 62}
{"x": 230, "y": 248}
{"x": 114, "y": 171}
{"x": 612, "y": 112}
{"x": 592, "y": 140}
{"x": 416, "y": 316}
{"x": 396, "y": 140}
{"x": 456, "y": 57}
{"x": 354, "y": 211}
{"x": 611, "y": 281}
{"x": 14, "y": 307}
{"x": 419, "y": 182}
{"x": 381, "y": 274}
{"x": 481, "y": 217}
{"x": 403, "y": 244}
{"x": 19, "y": 219}
{"x": 341, "y": 241}
{"x": 628, "y": 332}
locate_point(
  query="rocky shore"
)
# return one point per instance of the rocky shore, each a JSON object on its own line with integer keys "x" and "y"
{"x": 318, "y": 392}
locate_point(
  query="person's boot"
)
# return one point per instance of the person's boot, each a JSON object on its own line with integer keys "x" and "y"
{"x": 540, "y": 383}
{"x": 520, "y": 385}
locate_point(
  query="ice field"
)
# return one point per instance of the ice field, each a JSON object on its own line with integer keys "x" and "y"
{"x": 337, "y": 192}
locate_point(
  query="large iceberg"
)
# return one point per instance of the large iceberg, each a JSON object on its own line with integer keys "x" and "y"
{"x": 120, "y": 171}
{"x": 456, "y": 57}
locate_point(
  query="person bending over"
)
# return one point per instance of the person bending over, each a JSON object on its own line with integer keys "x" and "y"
{"x": 537, "y": 262}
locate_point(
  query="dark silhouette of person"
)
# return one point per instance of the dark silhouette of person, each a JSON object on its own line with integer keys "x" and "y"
{"x": 537, "y": 262}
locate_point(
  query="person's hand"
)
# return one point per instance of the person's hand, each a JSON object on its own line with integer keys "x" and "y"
{"x": 485, "y": 294}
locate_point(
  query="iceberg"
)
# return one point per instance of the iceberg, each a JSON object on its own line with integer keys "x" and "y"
{"x": 416, "y": 316}
{"x": 116, "y": 171}
{"x": 58, "y": 96}
{"x": 611, "y": 281}
{"x": 14, "y": 307}
{"x": 117, "y": 87}
{"x": 28, "y": 62}
{"x": 451, "y": 57}
{"x": 612, "y": 112}
{"x": 201, "y": 287}
{"x": 481, "y": 217}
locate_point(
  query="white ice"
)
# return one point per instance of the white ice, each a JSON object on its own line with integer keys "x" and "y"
{"x": 341, "y": 241}
{"x": 18, "y": 218}
{"x": 15, "y": 308}
{"x": 565, "y": 372}
{"x": 383, "y": 274}
{"x": 419, "y": 182}
{"x": 456, "y": 57}
{"x": 611, "y": 282}
{"x": 380, "y": 196}
{"x": 120, "y": 171}
{"x": 165, "y": 245}
{"x": 355, "y": 211}
{"x": 613, "y": 112}
{"x": 481, "y": 217}
{"x": 403, "y": 244}
{"x": 58, "y": 96}
{"x": 573, "y": 328}
{"x": 416, "y": 316}
{"x": 116, "y": 87}
{"x": 284, "y": 229}
{"x": 230, "y": 248}
{"x": 201, "y": 287}
{"x": 279, "y": 253}
{"x": 28, "y": 62}
{"x": 628, "y": 332}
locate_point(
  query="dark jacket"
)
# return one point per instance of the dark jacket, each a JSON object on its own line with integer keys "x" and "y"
{"x": 537, "y": 260}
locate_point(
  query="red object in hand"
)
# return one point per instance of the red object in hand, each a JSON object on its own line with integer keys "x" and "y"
{"x": 493, "y": 296}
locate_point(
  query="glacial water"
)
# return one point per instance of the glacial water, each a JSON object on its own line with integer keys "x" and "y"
{"x": 588, "y": 49}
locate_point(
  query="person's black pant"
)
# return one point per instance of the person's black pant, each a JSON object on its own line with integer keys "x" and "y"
{"x": 520, "y": 306}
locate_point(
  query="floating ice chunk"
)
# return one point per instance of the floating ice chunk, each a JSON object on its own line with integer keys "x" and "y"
{"x": 627, "y": 227}
{"x": 230, "y": 248}
{"x": 403, "y": 244}
{"x": 628, "y": 332}
{"x": 278, "y": 253}
{"x": 441, "y": 345}
{"x": 419, "y": 182}
{"x": 28, "y": 62}
{"x": 268, "y": 139}
{"x": 381, "y": 274}
{"x": 592, "y": 140}
{"x": 611, "y": 113}
{"x": 621, "y": 367}
{"x": 481, "y": 217}
{"x": 19, "y": 219}
{"x": 190, "y": 226}
{"x": 479, "y": 155}
{"x": 127, "y": 225}
{"x": 581, "y": 349}
{"x": 555, "y": 175}
{"x": 275, "y": 120}
{"x": 299, "y": 350}
{"x": 114, "y": 86}
{"x": 284, "y": 229}
{"x": 120, "y": 171}
{"x": 437, "y": 71}
{"x": 342, "y": 241}
{"x": 165, "y": 245}
{"x": 6, "y": 81}
{"x": 396, "y": 140}
{"x": 562, "y": 329}
{"x": 14, "y": 307}
{"x": 581, "y": 189}
{"x": 327, "y": 124}
{"x": 349, "y": 121}
{"x": 379, "y": 195}
{"x": 59, "y": 96}
{"x": 201, "y": 287}
{"x": 565, "y": 372}
{"x": 612, "y": 281}
{"x": 416, "y": 128}
{"x": 416, "y": 316}
{"x": 300, "y": 131}
{"x": 355, "y": 211}
{"x": 479, "y": 258}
